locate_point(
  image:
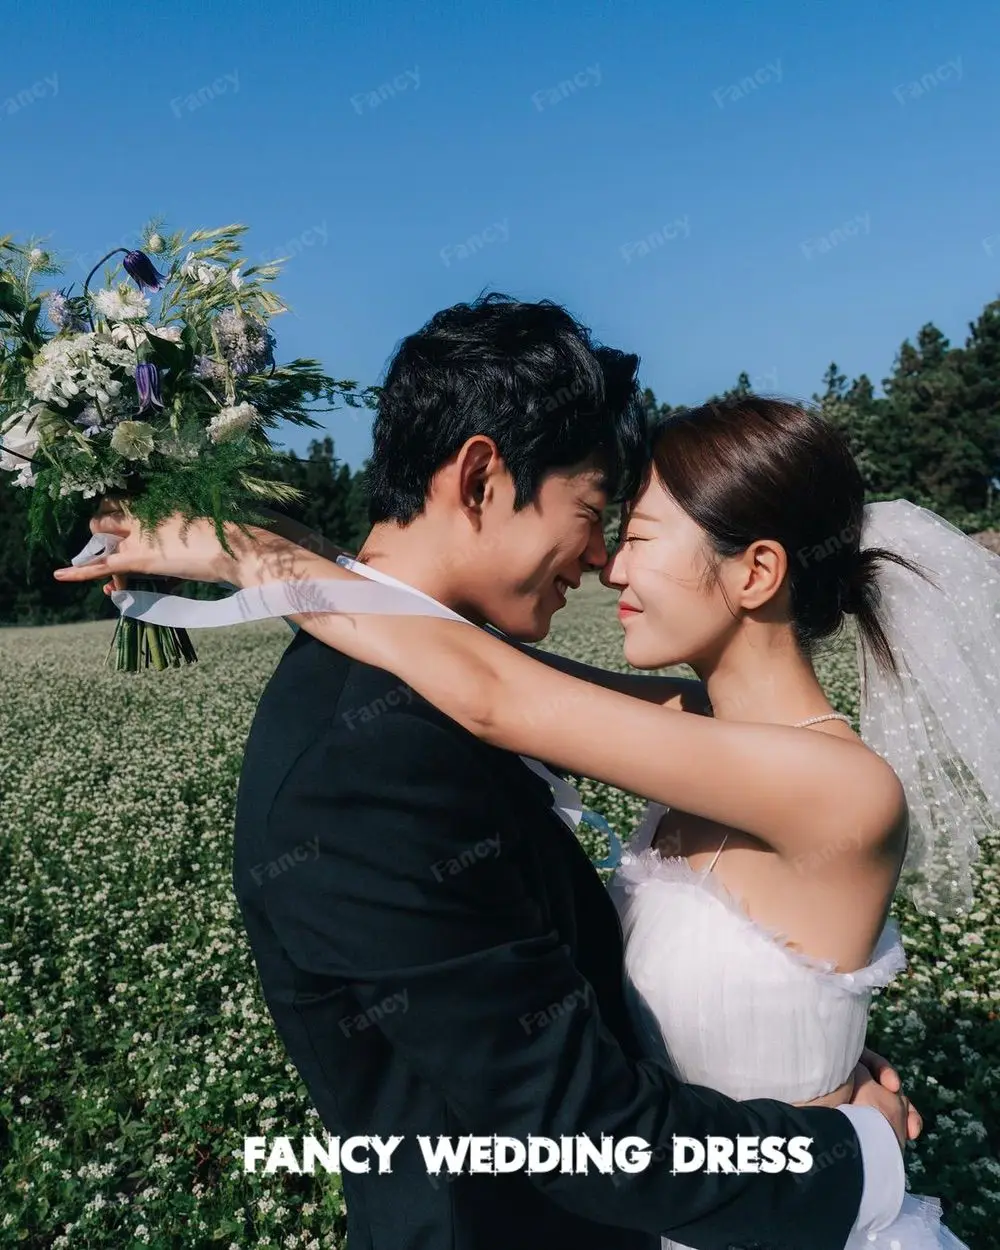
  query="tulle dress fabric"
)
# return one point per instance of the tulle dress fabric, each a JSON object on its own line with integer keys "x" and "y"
{"x": 734, "y": 1006}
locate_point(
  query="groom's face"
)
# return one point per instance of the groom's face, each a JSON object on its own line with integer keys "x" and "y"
{"x": 533, "y": 558}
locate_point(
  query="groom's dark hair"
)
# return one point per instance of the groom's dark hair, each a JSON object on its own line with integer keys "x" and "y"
{"x": 525, "y": 374}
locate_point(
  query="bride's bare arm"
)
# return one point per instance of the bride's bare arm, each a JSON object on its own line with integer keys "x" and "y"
{"x": 302, "y": 535}
{"x": 683, "y": 694}
{"x": 754, "y": 777}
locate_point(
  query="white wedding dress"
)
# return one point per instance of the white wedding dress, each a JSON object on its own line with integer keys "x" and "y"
{"x": 731, "y": 1005}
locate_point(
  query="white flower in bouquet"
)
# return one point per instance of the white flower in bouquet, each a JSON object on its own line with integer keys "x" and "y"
{"x": 135, "y": 336}
{"x": 175, "y": 448}
{"x": 155, "y": 244}
{"x": 91, "y": 489}
{"x": 133, "y": 439}
{"x": 19, "y": 444}
{"x": 201, "y": 271}
{"x": 123, "y": 304}
{"x": 85, "y": 363}
{"x": 231, "y": 421}
{"x": 171, "y": 333}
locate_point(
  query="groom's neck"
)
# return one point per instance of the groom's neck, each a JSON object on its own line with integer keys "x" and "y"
{"x": 414, "y": 555}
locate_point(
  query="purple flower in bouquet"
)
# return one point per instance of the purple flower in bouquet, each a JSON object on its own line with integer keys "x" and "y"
{"x": 90, "y": 421}
{"x": 246, "y": 343}
{"x": 65, "y": 312}
{"x": 147, "y": 383}
{"x": 141, "y": 269}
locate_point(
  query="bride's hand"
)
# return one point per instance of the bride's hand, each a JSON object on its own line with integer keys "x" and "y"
{"x": 882, "y": 1071}
{"x": 175, "y": 549}
{"x": 894, "y": 1105}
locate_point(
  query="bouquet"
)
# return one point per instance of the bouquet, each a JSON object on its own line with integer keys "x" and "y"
{"x": 156, "y": 388}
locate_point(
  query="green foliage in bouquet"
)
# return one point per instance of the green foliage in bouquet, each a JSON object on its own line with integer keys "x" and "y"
{"x": 159, "y": 386}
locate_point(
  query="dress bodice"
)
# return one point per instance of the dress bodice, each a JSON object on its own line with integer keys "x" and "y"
{"x": 725, "y": 1001}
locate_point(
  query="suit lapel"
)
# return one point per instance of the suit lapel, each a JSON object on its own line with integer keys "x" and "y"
{"x": 572, "y": 877}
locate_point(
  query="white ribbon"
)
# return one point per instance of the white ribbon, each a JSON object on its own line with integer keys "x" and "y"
{"x": 98, "y": 547}
{"x": 283, "y": 599}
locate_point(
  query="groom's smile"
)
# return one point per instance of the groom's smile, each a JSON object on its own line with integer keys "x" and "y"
{"x": 547, "y": 547}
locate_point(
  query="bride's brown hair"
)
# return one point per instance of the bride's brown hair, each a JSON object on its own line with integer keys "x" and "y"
{"x": 752, "y": 468}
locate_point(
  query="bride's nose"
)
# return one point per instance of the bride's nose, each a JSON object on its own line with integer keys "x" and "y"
{"x": 610, "y": 575}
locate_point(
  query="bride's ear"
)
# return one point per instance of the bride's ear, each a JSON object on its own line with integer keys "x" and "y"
{"x": 764, "y": 566}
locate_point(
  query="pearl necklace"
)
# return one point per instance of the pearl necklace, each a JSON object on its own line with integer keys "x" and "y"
{"x": 815, "y": 720}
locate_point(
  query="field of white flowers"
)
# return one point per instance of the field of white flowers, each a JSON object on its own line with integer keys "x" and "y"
{"x": 135, "y": 1048}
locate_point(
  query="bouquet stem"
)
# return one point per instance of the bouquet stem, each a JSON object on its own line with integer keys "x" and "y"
{"x": 137, "y": 645}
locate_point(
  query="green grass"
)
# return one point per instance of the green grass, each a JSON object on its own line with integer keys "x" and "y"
{"x": 135, "y": 1047}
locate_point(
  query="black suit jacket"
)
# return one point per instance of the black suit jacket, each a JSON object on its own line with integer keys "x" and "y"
{"x": 440, "y": 957}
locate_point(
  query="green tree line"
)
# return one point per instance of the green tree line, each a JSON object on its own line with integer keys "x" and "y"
{"x": 932, "y": 435}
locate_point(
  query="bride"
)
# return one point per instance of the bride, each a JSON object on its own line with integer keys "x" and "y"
{"x": 754, "y": 894}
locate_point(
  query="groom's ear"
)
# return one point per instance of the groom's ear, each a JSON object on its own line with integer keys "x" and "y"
{"x": 476, "y": 462}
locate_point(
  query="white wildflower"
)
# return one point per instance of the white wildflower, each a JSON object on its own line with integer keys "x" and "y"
{"x": 123, "y": 304}
{"x": 154, "y": 244}
{"x": 231, "y": 421}
{"x": 171, "y": 333}
{"x": 133, "y": 440}
{"x": 136, "y": 336}
{"x": 177, "y": 448}
{"x": 20, "y": 441}
{"x": 200, "y": 271}
{"x": 81, "y": 364}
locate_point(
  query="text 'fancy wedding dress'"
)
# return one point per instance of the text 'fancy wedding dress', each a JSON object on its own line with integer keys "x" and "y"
{"x": 728, "y": 1004}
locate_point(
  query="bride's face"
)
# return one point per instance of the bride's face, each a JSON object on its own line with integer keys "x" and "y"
{"x": 672, "y": 609}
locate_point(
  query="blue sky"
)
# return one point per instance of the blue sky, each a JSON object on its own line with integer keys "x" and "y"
{"x": 719, "y": 186}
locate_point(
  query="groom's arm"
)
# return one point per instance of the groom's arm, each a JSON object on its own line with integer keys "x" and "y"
{"x": 400, "y": 900}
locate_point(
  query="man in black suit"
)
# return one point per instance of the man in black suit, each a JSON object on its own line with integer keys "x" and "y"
{"x": 438, "y": 954}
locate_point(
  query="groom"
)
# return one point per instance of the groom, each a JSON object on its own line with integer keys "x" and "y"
{"x": 438, "y": 954}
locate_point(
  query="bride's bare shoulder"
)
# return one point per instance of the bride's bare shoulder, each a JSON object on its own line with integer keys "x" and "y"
{"x": 872, "y": 794}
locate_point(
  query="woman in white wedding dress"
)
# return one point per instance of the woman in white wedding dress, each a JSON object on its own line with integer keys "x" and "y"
{"x": 754, "y": 894}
